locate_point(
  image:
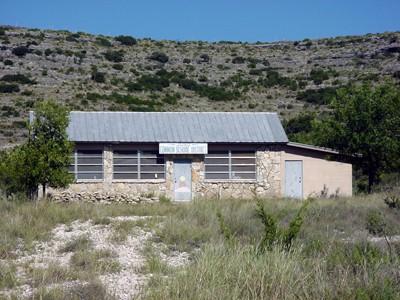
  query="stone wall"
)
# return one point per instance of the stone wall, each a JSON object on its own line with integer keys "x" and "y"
{"x": 268, "y": 182}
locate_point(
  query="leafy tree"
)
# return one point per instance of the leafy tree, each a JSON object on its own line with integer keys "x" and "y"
{"x": 299, "y": 128}
{"x": 44, "y": 158}
{"x": 365, "y": 127}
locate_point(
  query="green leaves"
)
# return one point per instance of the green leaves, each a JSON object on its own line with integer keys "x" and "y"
{"x": 44, "y": 158}
{"x": 365, "y": 127}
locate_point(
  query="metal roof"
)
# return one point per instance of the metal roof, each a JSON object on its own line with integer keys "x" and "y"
{"x": 311, "y": 147}
{"x": 176, "y": 127}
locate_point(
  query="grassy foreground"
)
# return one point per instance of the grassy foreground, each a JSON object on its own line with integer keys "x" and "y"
{"x": 333, "y": 257}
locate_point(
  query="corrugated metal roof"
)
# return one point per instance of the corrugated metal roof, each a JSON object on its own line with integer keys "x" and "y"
{"x": 176, "y": 127}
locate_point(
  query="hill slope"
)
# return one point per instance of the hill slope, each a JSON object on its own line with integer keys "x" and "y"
{"x": 89, "y": 72}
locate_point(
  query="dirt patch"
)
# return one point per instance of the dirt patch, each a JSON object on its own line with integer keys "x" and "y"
{"x": 124, "y": 284}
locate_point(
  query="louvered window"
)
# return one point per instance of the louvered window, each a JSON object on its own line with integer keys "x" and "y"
{"x": 87, "y": 164}
{"x": 230, "y": 164}
{"x": 138, "y": 164}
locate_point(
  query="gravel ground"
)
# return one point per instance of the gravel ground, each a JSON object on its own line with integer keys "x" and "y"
{"x": 125, "y": 284}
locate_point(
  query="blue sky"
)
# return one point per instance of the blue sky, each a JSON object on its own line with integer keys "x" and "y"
{"x": 207, "y": 20}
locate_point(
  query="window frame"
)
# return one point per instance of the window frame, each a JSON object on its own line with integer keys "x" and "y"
{"x": 75, "y": 164}
{"x": 230, "y": 172}
{"x": 140, "y": 156}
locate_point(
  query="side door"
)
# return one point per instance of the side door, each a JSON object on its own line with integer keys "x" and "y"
{"x": 294, "y": 179}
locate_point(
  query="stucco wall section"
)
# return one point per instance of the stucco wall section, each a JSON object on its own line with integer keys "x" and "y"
{"x": 321, "y": 177}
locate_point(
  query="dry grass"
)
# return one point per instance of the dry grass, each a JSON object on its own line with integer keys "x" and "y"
{"x": 333, "y": 257}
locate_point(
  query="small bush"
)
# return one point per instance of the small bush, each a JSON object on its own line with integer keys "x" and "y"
{"x": 8, "y": 62}
{"x": 103, "y": 41}
{"x": 20, "y": 51}
{"x": 81, "y": 243}
{"x": 20, "y": 78}
{"x": 238, "y": 60}
{"x": 118, "y": 67}
{"x": 318, "y": 76}
{"x": 172, "y": 99}
{"x": 392, "y": 202}
{"x": 114, "y": 56}
{"x": 256, "y": 72}
{"x": 376, "y": 224}
{"x": 9, "y": 88}
{"x": 160, "y": 57}
{"x": 99, "y": 77}
{"x": 126, "y": 40}
{"x": 205, "y": 58}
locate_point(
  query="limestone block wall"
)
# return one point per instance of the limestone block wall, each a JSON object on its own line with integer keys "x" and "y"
{"x": 267, "y": 182}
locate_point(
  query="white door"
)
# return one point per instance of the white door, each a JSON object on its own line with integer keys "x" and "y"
{"x": 294, "y": 179}
{"x": 183, "y": 179}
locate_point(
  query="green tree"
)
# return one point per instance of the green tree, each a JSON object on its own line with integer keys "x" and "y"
{"x": 364, "y": 126}
{"x": 44, "y": 158}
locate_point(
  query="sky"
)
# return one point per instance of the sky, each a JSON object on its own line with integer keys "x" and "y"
{"x": 207, "y": 20}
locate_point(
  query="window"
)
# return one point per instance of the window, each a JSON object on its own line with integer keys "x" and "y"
{"x": 87, "y": 164}
{"x": 230, "y": 164}
{"x": 137, "y": 164}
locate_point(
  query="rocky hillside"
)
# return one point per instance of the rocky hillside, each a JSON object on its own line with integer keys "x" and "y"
{"x": 89, "y": 72}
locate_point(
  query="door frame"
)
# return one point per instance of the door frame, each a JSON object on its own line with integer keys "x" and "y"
{"x": 300, "y": 181}
{"x": 187, "y": 183}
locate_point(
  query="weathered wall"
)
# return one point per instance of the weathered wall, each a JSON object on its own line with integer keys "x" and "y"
{"x": 268, "y": 182}
{"x": 321, "y": 177}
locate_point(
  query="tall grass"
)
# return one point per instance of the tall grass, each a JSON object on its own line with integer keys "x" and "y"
{"x": 331, "y": 258}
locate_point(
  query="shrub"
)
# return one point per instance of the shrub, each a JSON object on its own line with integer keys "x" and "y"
{"x": 238, "y": 60}
{"x": 321, "y": 96}
{"x": 301, "y": 123}
{"x": 252, "y": 105}
{"x": 257, "y": 72}
{"x": 205, "y": 58}
{"x": 203, "y": 78}
{"x": 318, "y": 76}
{"x": 9, "y": 88}
{"x": 159, "y": 56}
{"x": 20, "y": 51}
{"x": 20, "y": 78}
{"x": 103, "y": 41}
{"x": 376, "y": 224}
{"x": 48, "y": 52}
{"x": 114, "y": 56}
{"x": 153, "y": 83}
{"x": 99, "y": 77}
{"x": 172, "y": 99}
{"x": 126, "y": 40}
{"x": 118, "y": 67}
{"x": 186, "y": 60}
{"x": 8, "y": 62}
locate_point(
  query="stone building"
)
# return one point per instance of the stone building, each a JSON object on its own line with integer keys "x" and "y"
{"x": 121, "y": 156}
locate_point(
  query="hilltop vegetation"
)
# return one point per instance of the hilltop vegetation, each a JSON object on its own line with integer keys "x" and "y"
{"x": 89, "y": 72}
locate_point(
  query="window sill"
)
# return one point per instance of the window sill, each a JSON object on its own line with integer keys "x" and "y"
{"x": 89, "y": 181}
{"x": 230, "y": 180}
{"x": 138, "y": 180}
